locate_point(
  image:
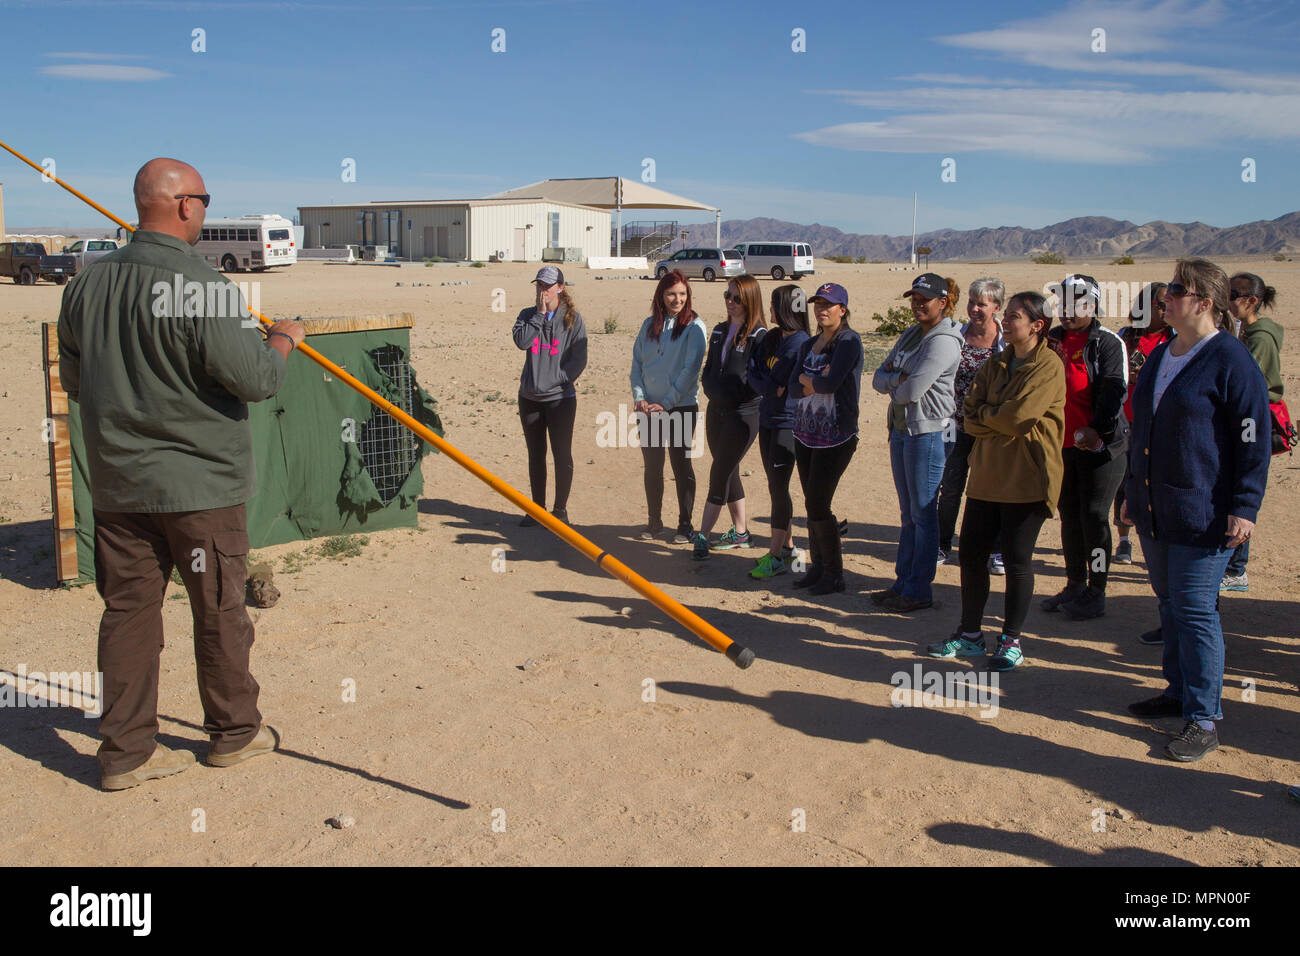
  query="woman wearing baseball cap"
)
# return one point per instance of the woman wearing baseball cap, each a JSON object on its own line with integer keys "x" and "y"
{"x": 826, "y": 383}
{"x": 1096, "y": 438}
{"x": 918, "y": 375}
{"x": 554, "y": 342}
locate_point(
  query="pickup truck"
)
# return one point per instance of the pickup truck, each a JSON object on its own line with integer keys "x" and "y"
{"x": 25, "y": 262}
{"x": 86, "y": 251}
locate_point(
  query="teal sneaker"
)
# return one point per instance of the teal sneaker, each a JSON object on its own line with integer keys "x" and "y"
{"x": 768, "y": 567}
{"x": 1008, "y": 656}
{"x": 958, "y": 646}
{"x": 701, "y": 547}
{"x": 730, "y": 540}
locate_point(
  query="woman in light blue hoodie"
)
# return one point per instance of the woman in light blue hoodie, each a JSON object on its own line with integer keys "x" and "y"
{"x": 666, "y": 362}
{"x": 918, "y": 376}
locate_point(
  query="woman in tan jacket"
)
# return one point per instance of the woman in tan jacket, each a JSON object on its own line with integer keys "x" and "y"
{"x": 1015, "y": 410}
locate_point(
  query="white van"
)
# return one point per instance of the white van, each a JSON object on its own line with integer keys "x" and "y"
{"x": 778, "y": 259}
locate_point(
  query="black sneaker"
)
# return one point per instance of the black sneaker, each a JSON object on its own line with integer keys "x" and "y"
{"x": 685, "y": 535}
{"x": 878, "y": 598}
{"x": 1068, "y": 593}
{"x": 1152, "y": 637}
{"x": 1091, "y": 603}
{"x": 1124, "y": 552}
{"x": 843, "y": 527}
{"x": 650, "y": 532}
{"x": 562, "y": 514}
{"x": 527, "y": 521}
{"x": 1192, "y": 743}
{"x": 1162, "y": 705}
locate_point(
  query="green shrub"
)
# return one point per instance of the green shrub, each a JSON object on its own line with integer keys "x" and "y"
{"x": 477, "y": 265}
{"x": 611, "y": 323}
{"x": 1050, "y": 259}
{"x": 1279, "y": 257}
{"x": 897, "y": 320}
{"x": 342, "y": 546}
{"x": 1122, "y": 261}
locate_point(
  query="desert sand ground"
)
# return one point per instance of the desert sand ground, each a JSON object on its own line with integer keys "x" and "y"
{"x": 517, "y": 697}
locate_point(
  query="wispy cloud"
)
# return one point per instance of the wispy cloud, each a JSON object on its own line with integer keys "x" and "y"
{"x": 106, "y": 72}
{"x": 95, "y": 56}
{"x": 1078, "y": 119}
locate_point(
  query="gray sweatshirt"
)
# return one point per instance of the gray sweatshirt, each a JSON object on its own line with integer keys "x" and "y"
{"x": 555, "y": 356}
{"x": 930, "y": 361}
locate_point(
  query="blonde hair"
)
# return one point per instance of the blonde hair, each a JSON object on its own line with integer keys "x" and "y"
{"x": 1205, "y": 279}
{"x": 570, "y": 310}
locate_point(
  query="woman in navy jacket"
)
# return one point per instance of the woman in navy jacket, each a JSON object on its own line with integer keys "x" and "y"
{"x": 1197, "y": 467}
{"x": 770, "y": 367}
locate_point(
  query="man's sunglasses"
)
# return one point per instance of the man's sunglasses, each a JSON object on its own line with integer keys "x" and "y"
{"x": 1176, "y": 290}
{"x": 204, "y": 198}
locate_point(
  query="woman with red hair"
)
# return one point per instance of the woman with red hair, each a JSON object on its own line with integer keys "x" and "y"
{"x": 665, "y": 377}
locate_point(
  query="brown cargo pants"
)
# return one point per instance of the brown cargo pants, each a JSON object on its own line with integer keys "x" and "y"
{"x": 134, "y": 557}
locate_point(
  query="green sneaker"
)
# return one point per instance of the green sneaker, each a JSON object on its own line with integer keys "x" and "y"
{"x": 768, "y": 567}
{"x": 700, "y": 547}
{"x": 958, "y": 646}
{"x": 730, "y": 540}
{"x": 1008, "y": 656}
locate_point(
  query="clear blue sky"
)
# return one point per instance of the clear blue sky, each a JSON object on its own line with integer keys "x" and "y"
{"x": 1041, "y": 127}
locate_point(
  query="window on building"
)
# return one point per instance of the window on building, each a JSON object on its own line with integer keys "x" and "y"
{"x": 555, "y": 229}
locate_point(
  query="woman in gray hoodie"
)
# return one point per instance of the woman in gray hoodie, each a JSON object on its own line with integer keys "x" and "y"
{"x": 918, "y": 376}
{"x": 554, "y": 342}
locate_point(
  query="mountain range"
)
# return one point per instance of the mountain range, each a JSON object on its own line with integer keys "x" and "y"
{"x": 1074, "y": 238}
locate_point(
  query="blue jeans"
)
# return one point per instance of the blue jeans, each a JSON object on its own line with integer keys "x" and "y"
{"x": 917, "y": 463}
{"x": 1186, "y": 582}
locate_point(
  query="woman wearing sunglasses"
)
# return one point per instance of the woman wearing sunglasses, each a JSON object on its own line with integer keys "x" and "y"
{"x": 770, "y": 368}
{"x": 1146, "y": 329}
{"x": 1096, "y": 435}
{"x": 1263, "y": 338}
{"x": 731, "y": 419}
{"x": 1197, "y": 470}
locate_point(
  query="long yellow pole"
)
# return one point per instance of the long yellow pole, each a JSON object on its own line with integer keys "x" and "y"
{"x": 702, "y": 629}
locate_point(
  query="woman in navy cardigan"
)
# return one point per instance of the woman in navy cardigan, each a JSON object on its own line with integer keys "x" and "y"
{"x": 1198, "y": 464}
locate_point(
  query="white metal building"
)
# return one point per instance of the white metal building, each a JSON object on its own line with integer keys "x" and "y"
{"x": 511, "y": 230}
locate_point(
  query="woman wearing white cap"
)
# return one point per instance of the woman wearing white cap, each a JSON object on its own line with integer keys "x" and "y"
{"x": 554, "y": 341}
{"x": 1096, "y": 438}
{"x": 918, "y": 375}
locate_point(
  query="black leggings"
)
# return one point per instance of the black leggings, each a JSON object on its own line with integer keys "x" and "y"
{"x": 820, "y": 470}
{"x": 986, "y": 527}
{"x": 776, "y": 446}
{"x": 674, "y": 434}
{"x": 1087, "y": 494}
{"x": 555, "y": 419}
{"x": 730, "y": 435}
{"x": 950, "y": 491}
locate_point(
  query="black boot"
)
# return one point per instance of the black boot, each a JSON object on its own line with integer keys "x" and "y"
{"x": 832, "y": 557}
{"x": 814, "y": 573}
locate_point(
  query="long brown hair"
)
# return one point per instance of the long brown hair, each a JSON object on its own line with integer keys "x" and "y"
{"x": 570, "y": 310}
{"x": 684, "y": 318}
{"x": 751, "y": 298}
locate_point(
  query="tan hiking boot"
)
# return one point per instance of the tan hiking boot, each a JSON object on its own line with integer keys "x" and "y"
{"x": 265, "y": 741}
{"x": 162, "y": 763}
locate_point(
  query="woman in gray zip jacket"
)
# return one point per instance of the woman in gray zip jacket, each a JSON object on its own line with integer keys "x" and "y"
{"x": 554, "y": 341}
{"x": 918, "y": 375}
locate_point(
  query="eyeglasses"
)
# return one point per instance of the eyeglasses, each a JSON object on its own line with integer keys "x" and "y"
{"x": 204, "y": 198}
{"x": 1176, "y": 290}
{"x": 728, "y": 297}
{"x": 1235, "y": 295}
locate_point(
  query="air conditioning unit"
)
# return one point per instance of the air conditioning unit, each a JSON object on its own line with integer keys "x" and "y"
{"x": 552, "y": 254}
{"x": 498, "y": 256}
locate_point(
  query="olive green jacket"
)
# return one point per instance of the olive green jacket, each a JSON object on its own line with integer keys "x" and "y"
{"x": 156, "y": 348}
{"x": 1018, "y": 422}
{"x": 1264, "y": 339}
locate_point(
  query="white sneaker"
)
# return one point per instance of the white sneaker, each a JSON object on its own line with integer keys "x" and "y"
{"x": 995, "y": 564}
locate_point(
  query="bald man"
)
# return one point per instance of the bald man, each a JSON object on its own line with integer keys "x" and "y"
{"x": 162, "y": 382}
